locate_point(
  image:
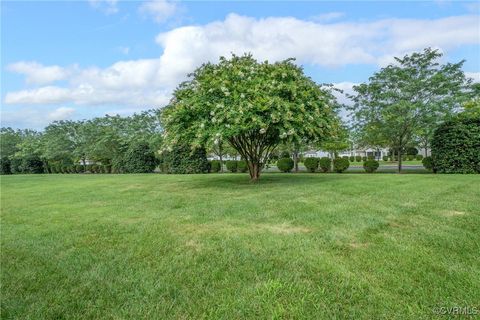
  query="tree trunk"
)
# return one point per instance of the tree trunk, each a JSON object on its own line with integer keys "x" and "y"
{"x": 295, "y": 159}
{"x": 399, "y": 160}
{"x": 254, "y": 170}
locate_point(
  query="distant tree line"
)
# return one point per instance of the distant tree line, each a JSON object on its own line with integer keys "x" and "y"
{"x": 112, "y": 141}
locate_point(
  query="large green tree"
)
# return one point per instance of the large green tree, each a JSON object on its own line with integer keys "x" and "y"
{"x": 408, "y": 99}
{"x": 253, "y": 106}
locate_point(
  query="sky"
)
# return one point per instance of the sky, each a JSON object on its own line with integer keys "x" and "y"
{"x": 72, "y": 60}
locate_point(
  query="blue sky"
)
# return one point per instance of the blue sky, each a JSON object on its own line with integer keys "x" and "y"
{"x": 81, "y": 59}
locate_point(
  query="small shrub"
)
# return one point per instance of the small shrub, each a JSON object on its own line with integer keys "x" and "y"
{"x": 242, "y": 166}
{"x": 215, "y": 166}
{"x": 385, "y": 158}
{"x": 340, "y": 165}
{"x": 285, "y": 164}
{"x": 232, "y": 165}
{"x": 364, "y": 159}
{"x": 345, "y": 157}
{"x": 351, "y": 158}
{"x": 410, "y": 157}
{"x": 419, "y": 157}
{"x": 428, "y": 163}
{"x": 358, "y": 158}
{"x": 370, "y": 166}
{"x": 325, "y": 164}
{"x": 311, "y": 164}
{"x": 139, "y": 158}
{"x": 5, "y": 167}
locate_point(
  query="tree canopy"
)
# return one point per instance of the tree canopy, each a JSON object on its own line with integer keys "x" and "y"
{"x": 408, "y": 99}
{"x": 251, "y": 105}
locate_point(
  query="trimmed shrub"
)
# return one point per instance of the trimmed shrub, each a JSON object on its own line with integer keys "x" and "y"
{"x": 340, "y": 165}
{"x": 428, "y": 163}
{"x": 370, "y": 166}
{"x": 456, "y": 145}
{"x": 311, "y": 164}
{"x": 411, "y": 151}
{"x": 242, "y": 166}
{"x": 410, "y": 157}
{"x": 364, "y": 159}
{"x": 358, "y": 158}
{"x": 232, "y": 165}
{"x": 183, "y": 159}
{"x": 325, "y": 164}
{"x": 418, "y": 157}
{"x": 385, "y": 158}
{"x": 345, "y": 157}
{"x": 285, "y": 164}
{"x": 139, "y": 158}
{"x": 215, "y": 166}
{"x": 5, "y": 167}
{"x": 32, "y": 164}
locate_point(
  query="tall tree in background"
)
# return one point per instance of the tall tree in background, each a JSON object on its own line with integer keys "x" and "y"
{"x": 254, "y": 106}
{"x": 408, "y": 99}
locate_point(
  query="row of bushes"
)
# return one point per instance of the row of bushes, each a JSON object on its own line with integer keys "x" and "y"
{"x": 384, "y": 158}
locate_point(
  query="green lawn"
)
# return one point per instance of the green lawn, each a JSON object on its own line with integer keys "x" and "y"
{"x": 295, "y": 246}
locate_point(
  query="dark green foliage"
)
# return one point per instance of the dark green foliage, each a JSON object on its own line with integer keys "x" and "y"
{"x": 370, "y": 158}
{"x": 311, "y": 164}
{"x": 232, "y": 165}
{"x": 242, "y": 166}
{"x": 16, "y": 165}
{"x": 215, "y": 166}
{"x": 284, "y": 154}
{"x": 410, "y": 157}
{"x": 79, "y": 168}
{"x": 94, "y": 168}
{"x": 418, "y": 157}
{"x": 107, "y": 168}
{"x": 370, "y": 166}
{"x": 32, "y": 164}
{"x": 345, "y": 157}
{"x": 428, "y": 163}
{"x": 139, "y": 158}
{"x": 364, "y": 159}
{"x": 385, "y": 158}
{"x": 411, "y": 151}
{"x": 340, "y": 165}
{"x": 325, "y": 164}
{"x": 358, "y": 158}
{"x": 352, "y": 158}
{"x": 456, "y": 145}
{"x": 285, "y": 164}
{"x": 5, "y": 166}
{"x": 182, "y": 159}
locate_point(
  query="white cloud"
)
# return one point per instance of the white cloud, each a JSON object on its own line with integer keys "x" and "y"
{"x": 474, "y": 75}
{"x": 36, "y": 73}
{"x": 149, "y": 82}
{"x": 159, "y": 10}
{"x": 106, "y": 6}
{"x": 61, "y": 113}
